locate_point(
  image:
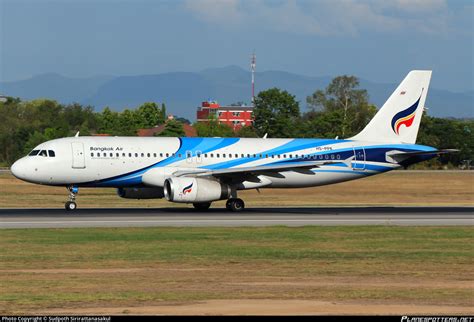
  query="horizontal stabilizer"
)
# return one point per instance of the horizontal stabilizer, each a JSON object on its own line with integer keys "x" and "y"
{"x": 399, "y": 156}
{"x": 412, "y": 154}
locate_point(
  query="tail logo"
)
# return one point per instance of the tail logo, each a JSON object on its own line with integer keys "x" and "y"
{"x": 188, "y": 189}
{"x": 405, "y": 117}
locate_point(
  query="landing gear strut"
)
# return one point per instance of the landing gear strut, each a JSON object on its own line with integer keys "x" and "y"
{"x": 235, "y": 204}
{"x": 71, "y": 203}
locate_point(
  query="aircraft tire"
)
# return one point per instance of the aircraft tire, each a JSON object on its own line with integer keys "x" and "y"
{"x": 235, "y": 204}
{"x": 70, "y": 206}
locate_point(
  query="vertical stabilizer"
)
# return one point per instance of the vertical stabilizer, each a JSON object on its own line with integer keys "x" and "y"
{"x": 399, "y": 118}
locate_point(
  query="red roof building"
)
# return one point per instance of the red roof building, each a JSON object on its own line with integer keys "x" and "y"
{"x": 233, "y": 116}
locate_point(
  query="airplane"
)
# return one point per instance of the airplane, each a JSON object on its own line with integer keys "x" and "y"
{"x": 203, "y": 170}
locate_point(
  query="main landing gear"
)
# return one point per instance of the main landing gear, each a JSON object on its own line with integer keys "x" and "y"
{"x": 71, "y": 203}
{"x": 235, "y": 204}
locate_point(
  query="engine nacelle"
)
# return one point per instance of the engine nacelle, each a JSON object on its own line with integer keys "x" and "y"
{"x": 189, "y": 190}
{"x": 140, "y": 193}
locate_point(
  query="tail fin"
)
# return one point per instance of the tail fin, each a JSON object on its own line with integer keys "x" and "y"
{"x": 399, "y": 118}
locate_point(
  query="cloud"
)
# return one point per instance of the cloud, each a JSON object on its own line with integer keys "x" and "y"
{"x": 326, "y": 17}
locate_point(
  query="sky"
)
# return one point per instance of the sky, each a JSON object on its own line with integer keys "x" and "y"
{"x": 378, "y": 40}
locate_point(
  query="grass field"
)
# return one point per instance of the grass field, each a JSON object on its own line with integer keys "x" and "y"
{"x": 167, "y": 270}
{"x": 273, "y": 270}
{"x": 393, "y": 188}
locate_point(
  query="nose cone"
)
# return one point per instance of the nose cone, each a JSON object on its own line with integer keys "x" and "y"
{"x": 18, "y": 170}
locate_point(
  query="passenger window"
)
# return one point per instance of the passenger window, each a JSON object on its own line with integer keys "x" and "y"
{"x": 167, "y": 154}
{"x": 189, "y": 154}
{"x": 205, "y": 155}
{"x": 248, "y": 155}
{"x": 154, "y": 155}
{"x": 217, "y": 155}
{"x": 43, "y": 153}
{"x": 223, "y": 155}
{"x": 179, "y": 155}
{"x": 129, "y": 155}
{"x": 136, "y": 155}
{"x": 142, "y": 155}
{"x": 161, "y": 155}
{"x": 92, "y": 154}
{"x": 148, "y": 155}
{"x": 33, "y": 153}
{"x": 117, "y": 154}
{"x": 198, "y": 154}
{"x": 212, "y": 155}
{"x": 338, "y": 157}
{"x": 242, "y": 155}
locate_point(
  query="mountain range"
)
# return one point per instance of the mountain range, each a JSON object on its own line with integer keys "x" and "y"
{"x": 182, "y": 92}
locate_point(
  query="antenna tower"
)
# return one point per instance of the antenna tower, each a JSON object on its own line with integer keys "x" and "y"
{"x": 252, "y": 67}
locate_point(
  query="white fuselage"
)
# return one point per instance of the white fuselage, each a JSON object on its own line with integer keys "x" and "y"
{"x": 123, "y": 161}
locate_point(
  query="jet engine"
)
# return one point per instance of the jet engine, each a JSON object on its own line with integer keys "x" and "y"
{"x": 195, "y": 190}
{"x": 140, "y": 193}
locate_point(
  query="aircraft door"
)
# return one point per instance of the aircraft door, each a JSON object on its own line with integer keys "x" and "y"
{"x": 198, "y": 156}
{"x": 78, "y": 157}
{"x": 359, "y": 158}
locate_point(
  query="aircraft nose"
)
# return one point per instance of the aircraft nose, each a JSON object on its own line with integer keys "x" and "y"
{"x": 17, "y": 169}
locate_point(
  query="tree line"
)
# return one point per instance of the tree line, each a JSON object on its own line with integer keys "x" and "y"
{"x": 340, "y": 110}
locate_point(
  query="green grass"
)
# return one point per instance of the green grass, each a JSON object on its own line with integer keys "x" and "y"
{"x": 189, "y": 264}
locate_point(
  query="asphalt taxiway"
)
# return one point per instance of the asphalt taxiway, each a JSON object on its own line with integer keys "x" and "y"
{"x": 215, "y": 217}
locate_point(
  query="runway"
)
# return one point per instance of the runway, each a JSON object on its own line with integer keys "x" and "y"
{"x": 258, "y": 217}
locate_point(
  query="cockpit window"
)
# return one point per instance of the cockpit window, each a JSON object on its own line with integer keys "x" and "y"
{"x": 51, "y": 153}
{"x": 43, "y": 153}
{"x": 33, "y": 153}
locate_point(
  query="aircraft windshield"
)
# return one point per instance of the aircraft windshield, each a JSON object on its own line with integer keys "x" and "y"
{"x": 43, "y": 153}
{"x": 34, "y": 152}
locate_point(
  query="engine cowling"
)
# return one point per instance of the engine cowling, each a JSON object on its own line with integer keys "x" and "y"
{"x": 189, "y": 190}
{"x": 140, "y": 193}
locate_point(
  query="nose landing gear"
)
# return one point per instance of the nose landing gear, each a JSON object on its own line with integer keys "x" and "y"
{"x": 71, "y": 203}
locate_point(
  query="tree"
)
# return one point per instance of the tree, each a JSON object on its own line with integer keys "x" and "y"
{"x": 247, "y": 132}
{"x": 163, "y": 112}
{"x": 212, "y": 128}
{"x": 342, "y": 95}
{"x": 109, "y": 122}
{"x": 173, "y": 128}
{"x": 276, "y": 112}
{"x": 150, "y": 115}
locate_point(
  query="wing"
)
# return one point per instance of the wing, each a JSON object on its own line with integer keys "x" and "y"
{"x": 261, "y": 169}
